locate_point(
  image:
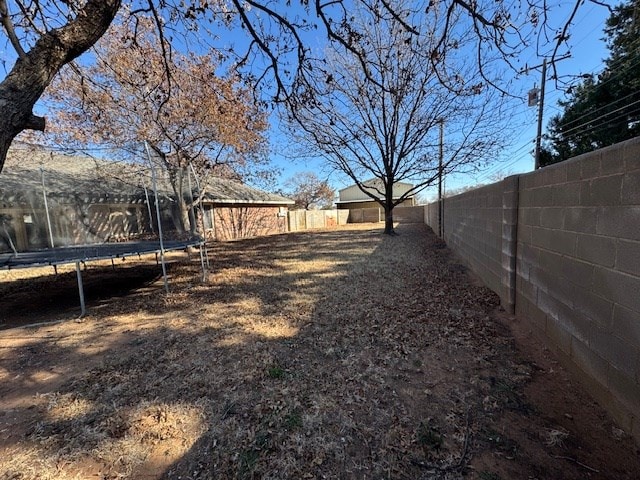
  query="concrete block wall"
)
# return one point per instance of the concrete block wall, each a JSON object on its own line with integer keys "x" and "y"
{"x": 561, "y": 246}
{"x": 479, "y": 226}
{"x": 366, "y": 215}
{"x": 408, "y": 214}
{"x": 578, "y": 269}
{"x": 431, "y": 212}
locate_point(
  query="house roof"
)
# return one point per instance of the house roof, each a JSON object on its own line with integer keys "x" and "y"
{"x": 221, "y": 190}
{"x": 353, "y": 193}
{"x": 92, "y": 179}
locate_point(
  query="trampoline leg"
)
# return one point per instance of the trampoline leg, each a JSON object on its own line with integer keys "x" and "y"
{"x": 164, "y": 272}
{"x": 80, "y": 289}
{"x": 204, "y": 272}
{"x": 206, "y": 254}
{"x": 113, "y": 265}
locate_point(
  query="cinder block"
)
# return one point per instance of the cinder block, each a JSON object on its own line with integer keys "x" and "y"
{"x": 631, "y": 154}
{"x": 622, "y": 355}
{"x": 552, "y": 217}
{"x": 552, "y": 263}
{"x": 550, "y": 304}
{"x": 611, "y": 160}
{"x": 596, "y": 249}
{"x": 511, "y": 184}
{"x": 560, "y": 337}
{"x": 628, "y": 257}
{"x": 543, "y": 197}
{"x": 527, "y": 180}
{"x": 541, "y": 277}
{"x": 524, "y": 234}
{"x": 554, "y": 240}
{"x": 567, "y": 194}
{"x": 626, "y": 324}
{"x": 626, "y": 389}
{"x": 589, "y": 361}
{"x": 619, "y": 287}
{"x": 527, "y": 253}
{"x": 598, "y": 309}
{"x": 621, "y": 222}
{"x": 605, "y": 191}
{"x": 529, "y": 216}
{"x": 581, "y": 219}
{"x": 508, "y": 233}
{"x": 577, "y": 324}
{"x": 554, "y": 174}
{"x": 526, "y": 197}
{"x": 590, "y": 165}
{"x": 536, "y": 317}
{"x": 573, "y": 170}
{"x": 631, "y": 188}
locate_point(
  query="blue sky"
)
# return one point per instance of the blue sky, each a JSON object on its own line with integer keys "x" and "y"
{"x": 587, "y": 54}
{"x": 588, "y": 51}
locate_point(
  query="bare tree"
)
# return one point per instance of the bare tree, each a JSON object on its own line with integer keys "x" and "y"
{"x": 308, "y": 190}
{"x": 378, "y": 114}
{"x": 47, "y": 34}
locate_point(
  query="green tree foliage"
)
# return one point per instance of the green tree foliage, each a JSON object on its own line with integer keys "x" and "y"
{"x": 604, "y": 110}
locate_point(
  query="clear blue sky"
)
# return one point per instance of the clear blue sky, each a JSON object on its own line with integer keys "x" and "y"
{"x": 588, "y": 51}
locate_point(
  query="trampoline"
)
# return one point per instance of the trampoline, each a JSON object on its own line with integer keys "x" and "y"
{"x": 59, "y": 255}
{"x": 84, "y": 253}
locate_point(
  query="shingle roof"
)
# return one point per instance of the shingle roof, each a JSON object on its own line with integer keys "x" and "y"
{"x": 85, "y": 176}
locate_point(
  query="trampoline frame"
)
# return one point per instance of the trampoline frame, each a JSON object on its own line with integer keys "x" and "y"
{"x": 83, "y": 253}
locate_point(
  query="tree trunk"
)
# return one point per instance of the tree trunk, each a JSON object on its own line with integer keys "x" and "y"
{"x": 388, "y": 220}
{"x": 33, "y": 71}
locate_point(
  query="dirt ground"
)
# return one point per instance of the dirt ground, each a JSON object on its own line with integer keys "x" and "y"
{"x": 342, "y": 354}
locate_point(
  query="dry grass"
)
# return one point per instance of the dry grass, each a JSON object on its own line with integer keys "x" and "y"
{"x": 339, "y": 354}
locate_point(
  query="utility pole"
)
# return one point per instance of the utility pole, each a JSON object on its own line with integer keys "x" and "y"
{"x": 540, "y": 109}
{"x": 440, "y": 172}
{"x": 539, "y": 100}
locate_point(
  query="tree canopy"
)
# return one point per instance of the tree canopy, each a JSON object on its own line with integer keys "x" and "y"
{"x": 123, "y": 99}
{"x": 278, "y": 42}
{"x": 308, "y": 190}
{"x": 605, "y": 109}
{"x": 379, "y": 113}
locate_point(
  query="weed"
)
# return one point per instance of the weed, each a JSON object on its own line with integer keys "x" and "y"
{"x": 508, "y": 395}
{"x": 556, "y": 437}
{"x": 275, "y": 371}
{"x": 428, "y": 437}
{"x": 248, "y": 460}
{"x": 293, "y": 420}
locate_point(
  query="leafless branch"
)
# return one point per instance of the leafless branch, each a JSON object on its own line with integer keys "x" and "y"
{"x": 5, "y": 19}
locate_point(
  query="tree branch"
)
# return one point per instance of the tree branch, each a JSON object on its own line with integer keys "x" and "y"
{"x": 5, "y": 19}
